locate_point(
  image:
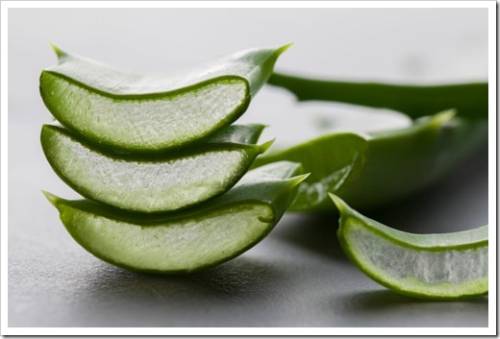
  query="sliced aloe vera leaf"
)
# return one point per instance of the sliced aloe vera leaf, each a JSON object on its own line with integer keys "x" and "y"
{"x": 439, "y": 266}
{"x": 332, "y": 159}
{"x": 191, "y": 239}
{"x": 140, "y": 113}
{"x": 469, "y": 99}
{"x": 374, "y": 170}
{"x": 153, "y": 183}
{"x": 396, "y": 160}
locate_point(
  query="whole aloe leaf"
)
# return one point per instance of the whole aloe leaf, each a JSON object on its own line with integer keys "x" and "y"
{"x": 137, "y": 113}
{"x": 199, "y": 237}
{"x": 372, "y": 170}
{"x": 163, "y": 182}
{"x": 469, "y": 99}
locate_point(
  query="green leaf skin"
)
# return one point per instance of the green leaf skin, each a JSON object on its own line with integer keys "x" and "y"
{"x": 469, "y": 99}
{"x": 402, "y": 162}
{"x": 433, "y": 266}
{"x": 156, "y": 183}
{"x": 370, "y": 171}
{"x": 331, "y": 159}
{"x": 137, "y": 113}
{"x": 189, "y": 240}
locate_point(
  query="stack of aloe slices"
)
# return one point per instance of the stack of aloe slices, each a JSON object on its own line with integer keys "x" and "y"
{"x": 161, "y": 164}
{"x": 164, "y": 170}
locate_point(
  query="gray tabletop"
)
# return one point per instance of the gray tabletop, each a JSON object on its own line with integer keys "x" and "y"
{"x": 298, "y": 275}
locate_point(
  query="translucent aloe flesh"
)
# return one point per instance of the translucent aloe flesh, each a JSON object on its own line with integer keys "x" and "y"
{"x": 373, "y": 170}
{"x": 189, "y": 240}
{"x": 147, "y": 114}
{"x": 437, "y": 266}
{"x": 469, "y": 99}
{"x": 153, "y": 184}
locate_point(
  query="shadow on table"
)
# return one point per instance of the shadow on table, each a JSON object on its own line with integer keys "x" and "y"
{"x": 314, "y": 233}
{"x": 241, "y": 277}
{"x": 373, "y": 308}
{"x": 378, "y": 300}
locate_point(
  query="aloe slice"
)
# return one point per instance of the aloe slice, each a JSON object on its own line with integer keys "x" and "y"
{"x": 189, "y": 240}
{"x": 469, "y": 99}
{"x": 373, "y": 170}
{"x": 153, "y": 183}
{"x": 438, "y": 266}
{"x": 146, "y": 114}
{"x": 332, "y": 159}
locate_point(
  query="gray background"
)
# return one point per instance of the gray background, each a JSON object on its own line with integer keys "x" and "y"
{"x": 295, "y": 277}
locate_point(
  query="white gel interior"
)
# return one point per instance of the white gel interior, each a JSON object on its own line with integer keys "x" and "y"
{"x": 400, "y": 263}
{"x": 146, "y": 186}
{"x": 147, "y": 123}
{"x": 178, "y": 245}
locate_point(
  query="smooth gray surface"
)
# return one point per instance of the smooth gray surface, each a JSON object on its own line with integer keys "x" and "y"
{"x": 295, "y": 277}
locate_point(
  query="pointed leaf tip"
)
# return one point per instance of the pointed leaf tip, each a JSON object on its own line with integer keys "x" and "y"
{"x": 53, "y": 199}
{"x": 280, "y": 50}
{"x": 339, "y": 203}
{"x": 444, "y": 117}
{"x": 265, "y": 146}
{"x": 58, "y": 51}
{"x": 296, "y": 180}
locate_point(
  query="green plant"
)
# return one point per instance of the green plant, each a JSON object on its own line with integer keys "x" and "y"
{"x": 155, "y": 183}
{"x": 371, "y": 170}
{"x": 435, "y": 266}
{"x": 159, "y": 160}
{"x": 189, "y": 240}
{"x": 137, "y": 113}
{"x": 469, "y": 99}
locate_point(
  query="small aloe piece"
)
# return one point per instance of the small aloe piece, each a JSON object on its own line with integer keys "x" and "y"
{"x": 436, "y": 266}
{"x": 373, "y": 170}
{"x": 147, "y": 114}
{"x": 189, "y": 240}
{"x": 469, "y": 99}
{"x": 153, "y": 183}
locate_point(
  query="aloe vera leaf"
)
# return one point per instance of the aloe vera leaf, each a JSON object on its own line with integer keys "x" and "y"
{"x": 147, "y": 114}
{"x": 331, "y": 159}
{"x": 153, "y": 183}
{"x": 437, "y": 266}
{"x": 385, "y": 167}
{"x": 469, "y": 99}
{"x": 187, "y": 240}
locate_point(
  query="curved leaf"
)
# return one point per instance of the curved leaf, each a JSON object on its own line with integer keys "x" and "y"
{"x": 153, "y": 183}
{"x": 331, "y": 159}
{"x": 437, "y": 266}
{"x": 373, "y": 170}
{"x": 146, "y": 114}
{"x": 190, "y": 240}
{"x": 469, "y": 99}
